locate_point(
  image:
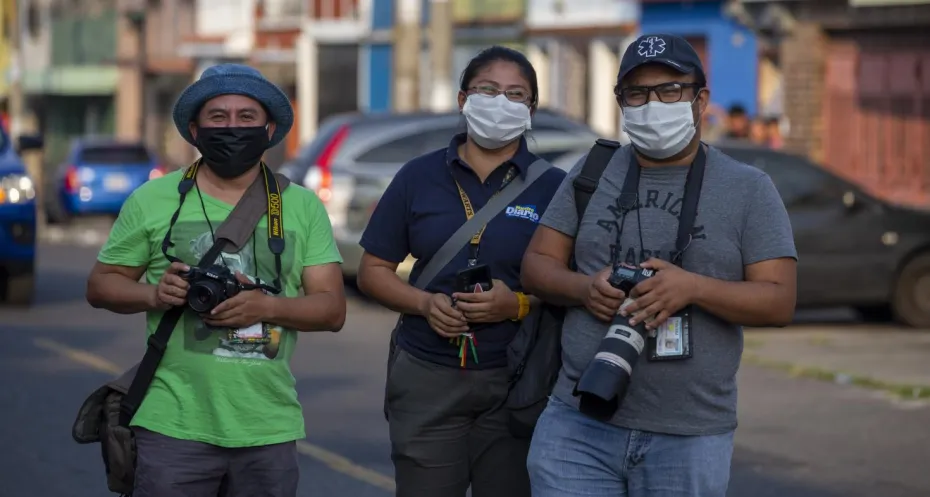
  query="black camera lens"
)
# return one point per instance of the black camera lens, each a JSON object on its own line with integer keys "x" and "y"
{"x": 203, "y": 296}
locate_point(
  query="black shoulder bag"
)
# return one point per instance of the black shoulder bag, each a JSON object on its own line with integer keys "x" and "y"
{"x": 535, "y": 354}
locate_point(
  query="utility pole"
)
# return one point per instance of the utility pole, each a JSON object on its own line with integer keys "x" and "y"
{"x": 308, "y": 82}
{"x": 16, "y": 72}
{"x": 22, "y": 121}
{"x": 440, "y": 49}
{"x": 407, "y": 56}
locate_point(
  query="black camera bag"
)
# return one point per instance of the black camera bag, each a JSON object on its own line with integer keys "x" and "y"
{"x": 535, "y": 353}
{"x": 104, "y": 417}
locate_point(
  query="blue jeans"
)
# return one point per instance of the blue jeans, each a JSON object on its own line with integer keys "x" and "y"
{"x": 574, "y": 455}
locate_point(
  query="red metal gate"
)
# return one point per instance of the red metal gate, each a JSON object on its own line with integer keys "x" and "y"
{"x": 877, "y": 116}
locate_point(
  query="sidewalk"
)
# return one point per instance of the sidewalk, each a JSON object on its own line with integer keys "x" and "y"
{"x": 876, "y": 357}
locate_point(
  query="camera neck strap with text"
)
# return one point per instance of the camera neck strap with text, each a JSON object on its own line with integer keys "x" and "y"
{"x": 262, "y": 196}
{"x": 629, "y": 199}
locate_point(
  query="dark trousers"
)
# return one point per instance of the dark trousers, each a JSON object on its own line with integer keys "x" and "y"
{"x": 449, "y": 429}
{"x": 169, "y": 467}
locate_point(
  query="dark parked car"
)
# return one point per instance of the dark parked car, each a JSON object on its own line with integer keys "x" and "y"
{"x": 854, "y": 249}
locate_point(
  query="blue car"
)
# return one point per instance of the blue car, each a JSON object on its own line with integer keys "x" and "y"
{"x": 17, "y": 223}
{"x": 98, "y": 176}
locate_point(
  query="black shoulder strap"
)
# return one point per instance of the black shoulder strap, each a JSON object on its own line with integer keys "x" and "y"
{"x": 586, "y": 182}
{"x": 235, "y": 230}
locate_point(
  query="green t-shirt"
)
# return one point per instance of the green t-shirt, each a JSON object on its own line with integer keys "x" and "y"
{"x": 208, "y": 389}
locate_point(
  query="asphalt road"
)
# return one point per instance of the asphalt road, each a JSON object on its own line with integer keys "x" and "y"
{"x": 797, "y": 438}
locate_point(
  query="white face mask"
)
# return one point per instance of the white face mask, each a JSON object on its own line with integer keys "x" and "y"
{"x": 493, "y": 122}
{"x": 659, "y": 130}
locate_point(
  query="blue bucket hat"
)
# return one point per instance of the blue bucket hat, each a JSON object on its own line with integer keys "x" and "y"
{"x": 234, "y": 79}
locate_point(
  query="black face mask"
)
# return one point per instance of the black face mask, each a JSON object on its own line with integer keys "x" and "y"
{"x": 231, "y": 151}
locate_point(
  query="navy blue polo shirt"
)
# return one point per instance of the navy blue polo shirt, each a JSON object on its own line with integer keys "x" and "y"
{"x": 421, "y": 209}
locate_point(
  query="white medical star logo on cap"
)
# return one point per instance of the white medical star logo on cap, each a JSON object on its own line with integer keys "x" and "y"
{"x": 651, "y": 46}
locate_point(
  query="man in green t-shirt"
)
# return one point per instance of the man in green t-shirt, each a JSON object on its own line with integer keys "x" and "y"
{"x": 222, "y": 415}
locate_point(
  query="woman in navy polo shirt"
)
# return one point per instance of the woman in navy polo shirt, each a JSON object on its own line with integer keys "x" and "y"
{"x": 449, "y": 375}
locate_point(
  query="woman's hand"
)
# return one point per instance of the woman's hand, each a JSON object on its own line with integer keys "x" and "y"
{"x": 496, "y": 305}
{"x": 447, "y": 321}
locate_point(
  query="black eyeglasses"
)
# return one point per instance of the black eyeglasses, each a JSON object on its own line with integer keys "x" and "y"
{"x": 518, "y": 95}
{"x": 635, "y": 96}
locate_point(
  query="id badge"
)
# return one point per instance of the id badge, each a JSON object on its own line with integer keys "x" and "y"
{"x": 672, "y": 340}
{"x": 257, "y": 334}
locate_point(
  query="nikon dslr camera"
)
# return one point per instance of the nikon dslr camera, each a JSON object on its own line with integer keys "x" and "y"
{"x": 210, "y": 287}
{"x": 604, "y": 382}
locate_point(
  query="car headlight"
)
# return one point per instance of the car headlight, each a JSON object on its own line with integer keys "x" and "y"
{"x": 16, "y": 189}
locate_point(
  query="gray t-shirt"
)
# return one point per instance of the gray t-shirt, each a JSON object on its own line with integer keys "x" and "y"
{"x": 741, "y": 220}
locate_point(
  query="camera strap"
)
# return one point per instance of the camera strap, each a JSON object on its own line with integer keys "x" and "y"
{"x": 629, "y": 197}
{"x": 263, "y": 195}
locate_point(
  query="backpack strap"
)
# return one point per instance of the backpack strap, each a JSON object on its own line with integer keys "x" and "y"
{"x": 586, "y": 182}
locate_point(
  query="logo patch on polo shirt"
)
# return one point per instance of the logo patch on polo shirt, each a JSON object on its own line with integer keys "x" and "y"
{"x": 527, "y": 212}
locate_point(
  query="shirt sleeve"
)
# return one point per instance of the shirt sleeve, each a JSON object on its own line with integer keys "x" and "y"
{"x": 385, "y": 236}
{"x": 128, "y": 243}
{"x": 561, "y": 214}
{"x": 320, "y": 245}
{"x": 767, "y": 230}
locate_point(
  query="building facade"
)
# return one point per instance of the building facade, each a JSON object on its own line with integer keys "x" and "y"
{"x": 71, "y": 77}
{"x": 856, "y": 76}
{"x": 311, "y": 48}
{"x": 728, "y": 49}
{"x": 576, "y": 49}
{"x": 153, "y": 73}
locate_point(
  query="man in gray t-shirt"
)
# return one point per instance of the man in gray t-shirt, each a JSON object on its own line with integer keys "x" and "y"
{"x": 672, "y": 434}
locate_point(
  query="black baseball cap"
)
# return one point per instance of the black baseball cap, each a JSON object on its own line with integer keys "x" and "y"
{"x": 670, "y": 50}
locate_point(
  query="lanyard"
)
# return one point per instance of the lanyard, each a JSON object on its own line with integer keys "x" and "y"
{"x": 694, "y": 181}
{"x": 475, "y": 242}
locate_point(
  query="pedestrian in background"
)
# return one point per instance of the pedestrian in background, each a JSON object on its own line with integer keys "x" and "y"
{"x": 221, "y": 416}
{"x": 738, "y": 122}
{"x": 672, "y": 435}
{"x": 448, "y": 377}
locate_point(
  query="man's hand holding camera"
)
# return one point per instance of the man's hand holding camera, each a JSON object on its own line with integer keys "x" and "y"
{"x": 171, "y": 290}
{"x": 602, "y": 299}
{"x": 669, "y": 291}
{"x": 242, "y": 310}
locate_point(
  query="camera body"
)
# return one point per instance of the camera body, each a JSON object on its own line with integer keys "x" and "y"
{"x": 624, "y": 277}
{"x": 603, "y": 384}
{"x": 210, "y": 287}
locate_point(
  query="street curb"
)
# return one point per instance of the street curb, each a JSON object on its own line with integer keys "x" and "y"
{"x": 901, "y": 391}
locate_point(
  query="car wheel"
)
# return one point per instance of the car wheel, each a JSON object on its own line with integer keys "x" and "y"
{"x": 911, "y": 301}
{"x": 19, "y": 290}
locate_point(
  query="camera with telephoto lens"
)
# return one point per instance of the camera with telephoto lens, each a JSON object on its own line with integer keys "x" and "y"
{"x": 604, "y": 382}
{"x": 210, "y": 287}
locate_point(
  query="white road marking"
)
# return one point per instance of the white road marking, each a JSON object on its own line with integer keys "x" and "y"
{"x": 335, "y": 461}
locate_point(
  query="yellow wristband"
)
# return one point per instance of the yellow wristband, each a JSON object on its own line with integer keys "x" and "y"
{"x": 524, "y": 305}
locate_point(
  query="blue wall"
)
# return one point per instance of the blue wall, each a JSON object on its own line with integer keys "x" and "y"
{"x": 733, "y": 68}
{"x": 380, "y": 60}
{"x": 380, "y": 69}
